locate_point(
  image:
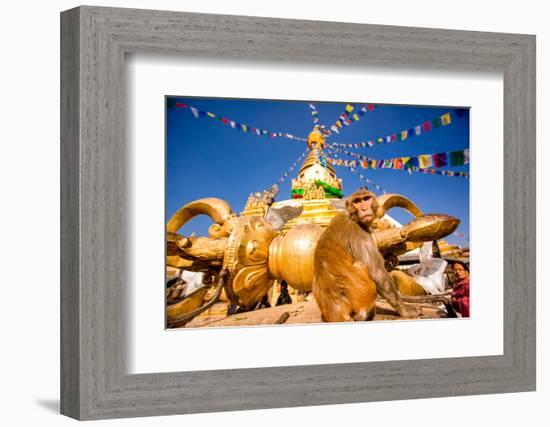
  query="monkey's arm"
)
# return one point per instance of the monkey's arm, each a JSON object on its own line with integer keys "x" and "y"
{"x": 385, "y": 285}
{"x": 387, "y": 289}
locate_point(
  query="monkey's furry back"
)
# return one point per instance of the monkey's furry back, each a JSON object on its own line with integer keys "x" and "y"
{"x": 342, "y": 285}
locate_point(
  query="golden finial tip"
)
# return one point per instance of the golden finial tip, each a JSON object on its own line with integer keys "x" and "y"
{"x": 316, "y": 138}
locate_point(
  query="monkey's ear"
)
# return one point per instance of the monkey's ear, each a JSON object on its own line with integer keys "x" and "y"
{"x": 348, "y": 203}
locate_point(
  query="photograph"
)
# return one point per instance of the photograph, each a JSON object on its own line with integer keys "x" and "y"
{"x": 284, "y": 212}
{"x": 275, "y": 214}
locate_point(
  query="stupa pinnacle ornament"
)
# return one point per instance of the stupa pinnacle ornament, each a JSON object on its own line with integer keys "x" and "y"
{"x": 316, "y": 178}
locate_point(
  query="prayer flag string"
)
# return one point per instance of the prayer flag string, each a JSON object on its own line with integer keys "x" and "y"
{"x": 242, "y": 127}
{"x": 349, "y": 116}
{"x": 417, "y": 130}
{"x": 291, "y": 168}
{"x": 424, "y": 163}
{"x": 333, "y": 159}
{"x": 314, "y": 113}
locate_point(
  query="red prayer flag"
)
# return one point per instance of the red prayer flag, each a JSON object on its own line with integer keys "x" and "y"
{"x": 439, "y": 159}
{"x": 398, "y": 164}
{"x": 427, "y": 126}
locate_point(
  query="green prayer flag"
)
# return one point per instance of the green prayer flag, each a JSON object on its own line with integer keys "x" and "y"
{"x": 436, "y": 123}
{"x": 456, "y": 158}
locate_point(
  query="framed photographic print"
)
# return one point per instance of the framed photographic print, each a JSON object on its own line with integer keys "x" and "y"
{"x": 291, "y": 225}
{"x": 263, "y": 201}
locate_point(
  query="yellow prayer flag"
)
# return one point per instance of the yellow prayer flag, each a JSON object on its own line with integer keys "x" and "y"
{"x": 339, "y": 124}
{"x": 424, "y": 161}
{"x": 404, "y": 134}
{"x": 446, "y": 119}
{"x": 210, "y": 114}
{"x": 356, "y": 117}
{"x": 349, "y": 108}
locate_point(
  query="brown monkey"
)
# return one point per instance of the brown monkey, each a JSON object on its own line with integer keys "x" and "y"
{"x": 348, "y": 269}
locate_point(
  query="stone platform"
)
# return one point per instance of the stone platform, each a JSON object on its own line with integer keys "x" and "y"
{"x": 298, "y": 313}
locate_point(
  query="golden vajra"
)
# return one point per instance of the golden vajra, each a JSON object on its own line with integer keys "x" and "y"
{"x": 256, "y": 249}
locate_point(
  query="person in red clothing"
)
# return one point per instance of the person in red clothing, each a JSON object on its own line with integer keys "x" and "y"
{"x": 460, "y": 296}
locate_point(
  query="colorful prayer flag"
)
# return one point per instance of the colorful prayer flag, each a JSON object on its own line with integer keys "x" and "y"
{"x": 456, "y": 158}
{"x": 446, "y": 119}
{"x": 439, "y": 160}
{"x": 195, "y": 112}
{"x": 398, "y": 163}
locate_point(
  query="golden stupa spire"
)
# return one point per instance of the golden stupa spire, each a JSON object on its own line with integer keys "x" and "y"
{"x": 316, "y": 139}
{"x": 316, "y": 176}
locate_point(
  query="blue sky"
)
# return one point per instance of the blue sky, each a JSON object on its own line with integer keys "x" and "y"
{"x": 205, "y": 158}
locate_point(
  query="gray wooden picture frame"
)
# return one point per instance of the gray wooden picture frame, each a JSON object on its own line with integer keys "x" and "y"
{"x": 94, "y": 382}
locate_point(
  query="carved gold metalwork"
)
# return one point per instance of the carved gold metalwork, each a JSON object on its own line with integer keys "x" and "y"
{"x": 217, "y": 209}
{"x": 406, "y": 283}
{"x": 189, "y": 304}
{"x": 388, "y": 201}
{"x": 425, "y": 228}
{"x": 291, "y": 256}
{"x": 245, "y": 259}
{"x": 315, "y": 139}
{"x": 312, "y": 191}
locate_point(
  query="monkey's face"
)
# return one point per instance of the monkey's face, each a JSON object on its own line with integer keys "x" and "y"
{"x": 364, "y": 204}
